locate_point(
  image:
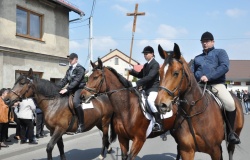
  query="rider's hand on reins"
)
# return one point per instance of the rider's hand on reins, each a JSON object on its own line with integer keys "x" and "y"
{"x": 63, "y": 91}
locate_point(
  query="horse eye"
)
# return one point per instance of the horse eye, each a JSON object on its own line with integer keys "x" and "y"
{"x": 95, "y": 78}
{"x": 176, "y": 74}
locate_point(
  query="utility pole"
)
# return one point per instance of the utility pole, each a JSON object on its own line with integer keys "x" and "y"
{"x": 135, "y": 14}
{"x": 90, "y": 44}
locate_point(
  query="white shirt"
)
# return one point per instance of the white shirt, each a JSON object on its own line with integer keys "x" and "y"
{"x": 26, "y": 109}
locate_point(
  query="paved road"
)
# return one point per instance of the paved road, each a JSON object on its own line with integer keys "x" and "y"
{"x": 86, "y": 146}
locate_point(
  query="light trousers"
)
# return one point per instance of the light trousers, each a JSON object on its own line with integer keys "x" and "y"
{"x": 225, "y": 96}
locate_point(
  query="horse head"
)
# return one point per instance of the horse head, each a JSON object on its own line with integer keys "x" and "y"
{"x": 173, "y": 80}
{"x": 23, "y": 88}
{"x": 96, "y": 82}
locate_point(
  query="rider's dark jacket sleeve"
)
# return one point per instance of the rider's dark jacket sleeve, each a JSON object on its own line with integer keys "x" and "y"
{"x": 75, "y": 81}
{"x": 149, "y": 76}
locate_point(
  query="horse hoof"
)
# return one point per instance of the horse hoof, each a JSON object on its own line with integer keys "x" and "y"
{"x": 109, "y": 150}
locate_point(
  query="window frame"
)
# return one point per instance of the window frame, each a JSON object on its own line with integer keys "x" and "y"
{"x": 116, "y": 61}
{"x": 41, "y": 17}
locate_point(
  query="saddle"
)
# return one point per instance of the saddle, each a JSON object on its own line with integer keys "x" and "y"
{"x": 209, "y": 90}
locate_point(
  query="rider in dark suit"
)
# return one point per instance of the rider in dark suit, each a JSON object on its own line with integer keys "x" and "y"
{"x": 149, "y": 81}
{"x": 75, "y": 78}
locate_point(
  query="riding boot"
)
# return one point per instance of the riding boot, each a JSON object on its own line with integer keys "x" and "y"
{"x": 80, "y": 116}
{"x": 158, "y": 122}
{"x": 232, "y": 136}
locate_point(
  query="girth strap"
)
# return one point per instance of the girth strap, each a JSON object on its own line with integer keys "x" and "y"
{"x": 192, "y": 132}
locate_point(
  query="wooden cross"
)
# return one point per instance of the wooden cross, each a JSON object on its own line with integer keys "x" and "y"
{"x": 135, "y": 14}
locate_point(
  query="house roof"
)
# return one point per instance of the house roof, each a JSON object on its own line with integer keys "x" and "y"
{"x": 239, "y": 70}
{"x": 70, "y": 6}
{"x": 120, "y": 52}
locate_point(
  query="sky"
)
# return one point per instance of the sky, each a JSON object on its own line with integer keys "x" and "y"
{"x": 165, "y": 22}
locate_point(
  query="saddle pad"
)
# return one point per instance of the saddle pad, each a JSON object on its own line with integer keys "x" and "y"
{"x": 87, "y": 105}
{"x": 152, "y": 119}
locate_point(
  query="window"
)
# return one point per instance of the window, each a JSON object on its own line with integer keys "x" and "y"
{"x": 28, "y": 23}
{"x": 116, "y": 61}
{"x": 35, "y": 74}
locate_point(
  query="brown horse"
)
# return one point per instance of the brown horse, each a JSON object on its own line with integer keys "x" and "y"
{"x": 129, "y": 120}
{"x": 59, "y": 114}
{"x": 199, "y": 124}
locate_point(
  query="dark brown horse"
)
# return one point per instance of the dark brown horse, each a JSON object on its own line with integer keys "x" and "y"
{"x": 199, "y": 124}
{"x": 59, "y": 113}
{"x": 129, "y": 120}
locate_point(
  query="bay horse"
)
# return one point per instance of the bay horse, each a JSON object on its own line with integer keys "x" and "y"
{"x": 199, "y": 124}
{"x": 59, "y": 113}
{"x": 129, "y": 120}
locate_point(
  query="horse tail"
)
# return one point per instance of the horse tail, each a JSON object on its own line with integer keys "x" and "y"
{"x": 113, "y": 134}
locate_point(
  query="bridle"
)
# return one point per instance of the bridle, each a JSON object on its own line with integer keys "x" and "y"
{"x": 21, "y": 96}
{"x": 177, "y": 88}
{"x": 96, "y": 91}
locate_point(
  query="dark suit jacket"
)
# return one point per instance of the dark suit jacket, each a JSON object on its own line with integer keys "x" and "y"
{"x": 149, "y": 76}
{"x": 76, "y": 80}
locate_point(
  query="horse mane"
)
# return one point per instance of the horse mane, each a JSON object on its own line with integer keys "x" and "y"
{"x": 123, "y": 80}
{"x": 47, "y": 88}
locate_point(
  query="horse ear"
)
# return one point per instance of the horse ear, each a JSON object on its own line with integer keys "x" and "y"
{"x": 92, "y": 64}
{"x": 30, "y": 73}
{"x": 177, "y": 52}
{"x": 162, "y": 53}
{"x": 100, "y": 65}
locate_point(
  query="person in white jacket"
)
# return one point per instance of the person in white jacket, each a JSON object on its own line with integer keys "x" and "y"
{"x": 26, "y": 114}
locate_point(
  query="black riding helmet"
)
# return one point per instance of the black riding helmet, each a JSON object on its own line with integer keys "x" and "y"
{"x": 207, "y": 36}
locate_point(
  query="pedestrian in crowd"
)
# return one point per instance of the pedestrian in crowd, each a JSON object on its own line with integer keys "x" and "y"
{"x": 211, "y": 67}
{"x": 26, "y": 115}
{"x": 246, "y": 99}
{"x": 75, "y": 78}
{"x": 238, "y": 94}
{"x": 149, "y": 81}
{"x": 16, "y": 119}
{"x": 4, "y": 119}
{"x": 39, "y": 123}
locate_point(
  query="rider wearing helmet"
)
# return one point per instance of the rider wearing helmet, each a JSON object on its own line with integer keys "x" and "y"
{"x": 211, "y": 67}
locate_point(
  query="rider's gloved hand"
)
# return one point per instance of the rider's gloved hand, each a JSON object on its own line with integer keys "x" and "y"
{"x": 129, "y": 68}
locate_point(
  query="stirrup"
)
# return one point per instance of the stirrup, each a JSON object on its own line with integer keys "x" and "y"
{"x": 235, "y": 138}
{"x": 80, "y": 128}
{"x": 157, "y": 128}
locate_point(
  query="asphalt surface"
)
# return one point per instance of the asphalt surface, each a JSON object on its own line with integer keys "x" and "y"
{"x": 87, "y": 146}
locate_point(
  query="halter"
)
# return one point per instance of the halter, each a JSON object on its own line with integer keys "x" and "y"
{"x": 171, "y": 93}
{"x": 20, "y": 97}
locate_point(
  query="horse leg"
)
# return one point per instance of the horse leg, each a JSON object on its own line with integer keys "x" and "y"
{"x": 60, "y": 146}
{"x": 105, "y": 143}
{"x": 55, "y": 136}
{"x": 124, "y": 144}
{"x": 187, "y": 155}
{"x": 230, "y": 149}
{"x": 216, "y": 153}
{"x": 178, "y": 156}
{"x": 135, "y": 148}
